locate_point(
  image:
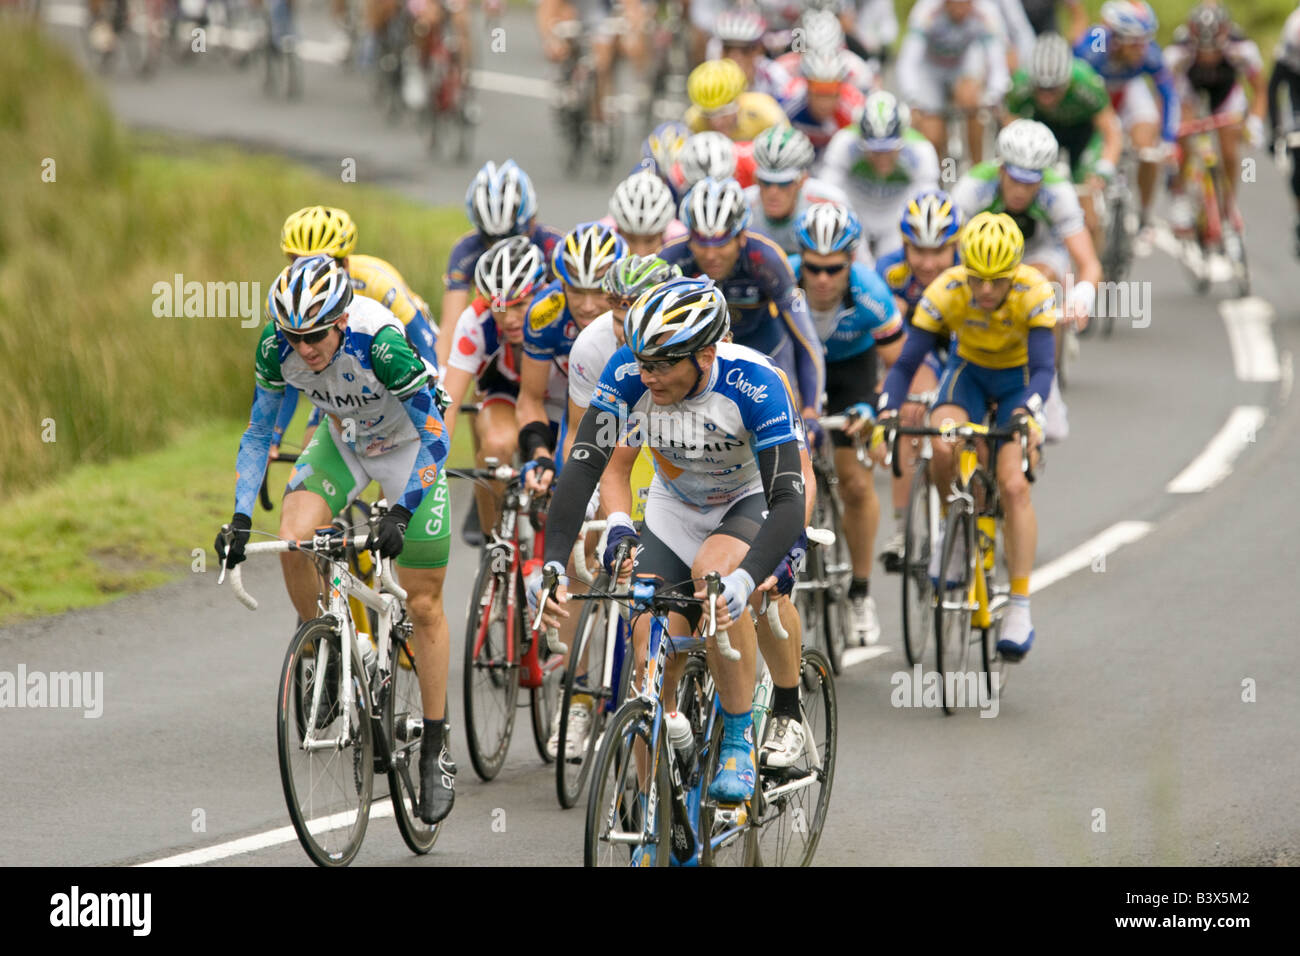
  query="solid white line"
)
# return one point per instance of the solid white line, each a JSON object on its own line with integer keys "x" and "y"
{"x": 1253, "y": 353}
{"x": 1098, "y": 546}
{"x": 859, "y": 655}
{"x": 1214, "y": 464}
{"x": 260, "y": 841}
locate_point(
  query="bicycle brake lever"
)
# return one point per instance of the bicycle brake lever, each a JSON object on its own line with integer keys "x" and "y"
{"x": 712, "y": 588}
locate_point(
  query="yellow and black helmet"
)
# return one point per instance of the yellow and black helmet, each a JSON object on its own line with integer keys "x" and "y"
{"x": 319, "y": 231}
{"x": 992, "y": 245}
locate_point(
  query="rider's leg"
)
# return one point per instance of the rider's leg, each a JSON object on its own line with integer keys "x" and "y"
{"x": 301, "y": 513}
{"x": 497, "y": 434}
{"x": 966, "y": 94}
{"x": 933, "y": 128}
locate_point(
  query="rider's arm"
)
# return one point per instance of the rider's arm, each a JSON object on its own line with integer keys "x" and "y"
{"x": 1112, "y": 135}
{"x": 578, "y": 480}
{"x": 781, "y": 469}
{"x": 424, "y": 338}
{"x": 792, "y": 307}
{"x": 918, "y": 344}
{"x": 255, "y": 445}
{"x": 531, "y": 408}
{"x": 287, "y": 408}
{"x": 456, "y": 289}
{"x": 1163, "y": 78}
{"x": 1042, "y": 361}
{"x": 404, "y": 374}
{"x": 456, "y": 382}
{"x": 463, "y": 363}
{"x": 1078, "y": 20}
{"x": 616, "y": 482}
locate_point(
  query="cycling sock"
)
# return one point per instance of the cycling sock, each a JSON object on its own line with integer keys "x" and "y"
{"x": 1020, "y": 587}
{"x": 785, "y": 702}
{"x": 860, "y": 587}
{"x": 735, "y": 727}
{"x": 432, "y": 736}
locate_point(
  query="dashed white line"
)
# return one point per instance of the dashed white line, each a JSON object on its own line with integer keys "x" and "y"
{"x": 1249, "y": 323}
{"x": 858, "y": 655}
{"x": 1214, "y": 464}
{"x": 1095, "y": 549}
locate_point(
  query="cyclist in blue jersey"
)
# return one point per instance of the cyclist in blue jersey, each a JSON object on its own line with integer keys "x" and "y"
{"x": 500, "y": 202}
{"x": 727, "y": 496}
{"x": 930, "y": 225}
{"x": 768, "y": 311}
{"x": 857, "y": 320}
{"x": 1124, "y": 51}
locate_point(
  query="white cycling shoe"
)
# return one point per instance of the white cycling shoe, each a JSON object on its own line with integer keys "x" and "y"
{"x": 575, "y": 738}
{"x": 783, "y": 745}
{"x": 865, "y": 622}
{"x": 1017, "y": 630}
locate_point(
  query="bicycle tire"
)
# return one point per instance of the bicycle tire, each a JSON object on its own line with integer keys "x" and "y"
{"x": 792, "y": 815}
{"x": 810, "y": 601}
{"x": 491, "y": 676}
{"x": 838, "y": 573}
{"x": 405, "y": 704}
{"x": 541, "y": 703}
{"x": 617, "y": 789}
{"x": 571, "y": 774}
{"x": 350, "y": 806}
{"x": 918, "y": 593}
{"x": 1234, "y": 250}
{"x": 734, "y": 825}
{"x": 952, "y": 625}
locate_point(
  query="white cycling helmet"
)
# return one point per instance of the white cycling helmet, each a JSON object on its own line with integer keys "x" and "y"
{"x": 782, "y": 154}
{"x": 583, "y": 256}
{"x": 1026, "y": 148}
{"x": 1131, "y": 19}
{"x": 823, "y": 66}
{"x": 707, "y": 155}
{"x": 500, "y": 199}
{"x": 676, "y": 319}
{"x": 739, "y": 27}
{"x": 715, "y": 208}
{"x": 822, "y": 32}
{"x": 510, "y": 272}
{"x": 309, "y": 294}
{"x": 883, "y": 121}
{"x": 642, "y": 205}
{"x": 1051, "y": 62}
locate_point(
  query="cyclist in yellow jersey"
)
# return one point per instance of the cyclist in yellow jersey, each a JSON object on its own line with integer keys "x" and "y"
{"x": 719, "y": 103}
{"x": 1002, "y": 313}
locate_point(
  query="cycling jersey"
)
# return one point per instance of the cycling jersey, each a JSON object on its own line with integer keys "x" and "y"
{"x": 1288, "y": 44}
{"x": 991, "y": 340}
{"x": 821, "y": 131}
{"x": 1084, "y": 98}
{"x": 772, "y": 78}
{"x": 864, "y": 318}
{"x": 903, "y": 285}
{"x": 782, "y": 231}
{"x": 937, "y": 50}
{"x": 467, "y": 249}
{"x": 1118, "y": 76}
{"x": 549, "y": 332}
{"x": 861, "y": 75}
{"x": 757, "y": 112}
{"x": 1219, "y": 81}
{"x": 477, "y": 348}
{"x": 768, "y": 311}
{"x": 1052, "y": 216}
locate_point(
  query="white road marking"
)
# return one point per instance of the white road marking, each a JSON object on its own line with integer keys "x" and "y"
{"x": 1215, "y": 463}
{"x": 1250, "y": 334}
{"x": 1219, "y": 269}
{"x": 1288, "y": 377}
{"x": 1098, "y": 546}
{"x": 858, "y": 655}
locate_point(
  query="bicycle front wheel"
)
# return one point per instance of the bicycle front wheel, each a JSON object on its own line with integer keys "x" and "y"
{"x": 952, "y": 610}
{"x": 327, "y": 784}
{"x": 838, "y": 568}
{"x": 589, "y": 653}
{"x": 491, "y": 678}
{"x": 628, "y": 817}
{"x": 918, "y": 594}
{"x": 404, "y": 725}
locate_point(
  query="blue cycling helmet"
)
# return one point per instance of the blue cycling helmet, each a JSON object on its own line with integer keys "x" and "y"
{"x": 828, "y": 227}
{"x": 500, "y": 200}
{"x": 309, "y": 294}
{"x": 930, "y": 220}
{"x": 676, "y": 319}
{"x": 584, "y": 255}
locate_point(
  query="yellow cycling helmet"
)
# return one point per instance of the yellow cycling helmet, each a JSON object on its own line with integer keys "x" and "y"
{"x": 992, "y": 245}
{"x": 715, "y": 84}
{"x": 319, "y": 230}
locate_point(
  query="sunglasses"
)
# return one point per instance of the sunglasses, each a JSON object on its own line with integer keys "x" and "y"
{"x": 711, "y": 242}
{"x": 623, "y": 304}
{"x": 825, "y": 270}
{"x": 307, "y": 338}
{"x": 654, "y": 368}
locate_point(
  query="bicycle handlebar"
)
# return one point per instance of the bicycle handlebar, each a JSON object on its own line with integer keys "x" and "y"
{"x": 712, "y": 588}
{"x": 386, "y": 577}
{"x": 580, "y": 568}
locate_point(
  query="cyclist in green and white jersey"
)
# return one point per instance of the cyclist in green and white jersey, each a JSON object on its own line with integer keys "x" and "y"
{"x": 1069, "y": 97}
{"x": 783, "y": 189}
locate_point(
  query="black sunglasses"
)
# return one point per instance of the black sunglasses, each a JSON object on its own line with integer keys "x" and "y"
{"x": 825, "y": 270}
{"x": 654, "y": 368}
{"x": 307, "y": 338}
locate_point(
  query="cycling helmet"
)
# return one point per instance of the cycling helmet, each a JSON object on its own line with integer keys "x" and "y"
{"x": 715, "y": 84}
{"x": 1026, "y": 147}
{"x": 883, "y": 121}
{"x": 500, "y": 200}
{"x": 931, "y": 219}
{"x": 1131, "y": 19}
{"x": 676, "y": 319}
{"x": 992, "y": 245}
{"x": 822, "y": 32}
{"x": 642, "y": 205}
{"x": 827, "y": 227}
{"x": 715, "y": 208}
{"x": 707, "y": 154}
{"x": 1208, "y": 25}
{"x": 823, "y": 66}
{"x": 782, "y": 153}
{"x": 586, "y": 253}
{"x": 739, "y": 27}
{"x": 664, "y": 143}
{"x": 510, "y": 272}
{"x": 1051, "y": 62}
{"x": 633, "y": 275}
{"x": 310, "y": 294}
{"x": 319, "y": 230}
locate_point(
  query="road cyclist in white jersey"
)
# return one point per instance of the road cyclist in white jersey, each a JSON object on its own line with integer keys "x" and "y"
{"x": 783, "y": 188}
{"x": 727, "y": 496}
{"x": 879, "y": 163}
{"x": 350, "y": 357}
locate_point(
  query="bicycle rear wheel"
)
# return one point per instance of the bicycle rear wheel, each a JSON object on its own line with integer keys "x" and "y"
{"x": 327, "y": 788}
{"x": 542, "y": 702}
{"x": 491, "y": 678}
{"x": 952, "y": 612}
{"x": 791, "y": 802}
{"x": 918, "y": 594}
{"x": 838, "y": 574}
{"x": 628, "y": 817}
{"x": 404, "y": 725}
{"x": 589, "y": 653}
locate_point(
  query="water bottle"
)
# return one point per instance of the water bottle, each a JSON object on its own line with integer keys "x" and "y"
{"x": 682, "y": 739}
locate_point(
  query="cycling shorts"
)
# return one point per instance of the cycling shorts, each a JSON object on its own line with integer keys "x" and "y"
{"x": 848, "y": 383}
{"x": 974, "y": 388}
{"x": 1135, "y": 104}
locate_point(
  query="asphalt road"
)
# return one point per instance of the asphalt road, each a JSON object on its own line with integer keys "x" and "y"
{"x": 1123, "y": 738}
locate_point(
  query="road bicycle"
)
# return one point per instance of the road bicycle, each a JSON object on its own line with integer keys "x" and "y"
{"x": 436, "y": 85}
{"x": 1219, "y": 226}
{"x": 131, "y": 30}
{"x": 576, "y": 102}
{"x": 970, "y": 594}
{"x": 669, "y": 65}
{"x": 920, "y": 530}
{"x": 338, "y": 724}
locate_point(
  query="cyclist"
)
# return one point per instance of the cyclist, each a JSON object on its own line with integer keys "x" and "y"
{"x": 659, "y": 154}
{"x": 823, "y": 34}
{"x": 324, "y": 230}
{"x": 712, "y": 155}
{"x": 1001, "y": 312}
{"x": 784, "y": 189}
{"x": 1209, "y": 57}
{"x": 500, "y": 202}
{"x": 1286, "y": 73}
{"x": 1044, "y": 16}
{"x": 727, "y": 496}
{"x": 720, "y": 103}
{"x": 930, "y": 226}
{"x": 349, "y": 353}
{"x": 769, "y": 312}
{"x": 1067, "y": 96}
{"x": 642, "y": 210}
{"x": 879, "y": 164}
{"x": 821, "y": 101}
{"x": 740, "y": 32}
{"x": 857, "y": 320}
{"x": 488, "y": 351}
{"x": 954, "y": 52}
{"x": 1123, "y": 51}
